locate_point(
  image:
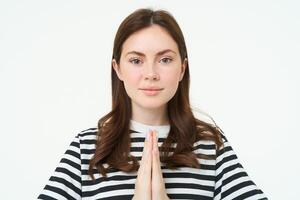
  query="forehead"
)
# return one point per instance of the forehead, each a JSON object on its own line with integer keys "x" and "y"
{"x": 149, "y": 40}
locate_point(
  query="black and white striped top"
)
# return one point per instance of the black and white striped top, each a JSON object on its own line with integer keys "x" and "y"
{"x": 223, "y": 178}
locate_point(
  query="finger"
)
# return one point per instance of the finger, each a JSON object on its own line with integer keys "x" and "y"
{"x": 143, "y": 182}
{"x": 158, "y": 190}
{"x": 146, "y": 161}
{"x": 156, "y": 167}
{"x": 147, "y": 146}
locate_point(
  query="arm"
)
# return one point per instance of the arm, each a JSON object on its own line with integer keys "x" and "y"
{"x": 65, "y": 183}
{"x": 232, "y": 181}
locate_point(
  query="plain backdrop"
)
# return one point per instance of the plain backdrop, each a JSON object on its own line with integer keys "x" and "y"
{"x": 55, "y": 82}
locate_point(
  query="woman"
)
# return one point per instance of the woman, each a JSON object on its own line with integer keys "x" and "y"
{"x": 150, "y": 146}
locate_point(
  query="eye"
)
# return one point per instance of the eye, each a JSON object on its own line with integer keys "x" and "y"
{"x": 166, "y": 60}
{"x": 135, "y": 61}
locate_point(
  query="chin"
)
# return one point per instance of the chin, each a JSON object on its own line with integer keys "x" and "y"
{"x": 151, "y": 104}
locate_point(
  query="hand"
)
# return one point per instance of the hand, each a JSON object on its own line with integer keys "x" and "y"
{"x": 147, "y": 187}
{"x": 158, "y": 185}
{"x": 143, "y": 182}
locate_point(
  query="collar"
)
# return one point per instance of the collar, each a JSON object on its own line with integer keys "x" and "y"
{"x": 162, "y": 130}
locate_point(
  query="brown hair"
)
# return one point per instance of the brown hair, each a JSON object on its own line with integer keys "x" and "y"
{"x": 113, "y": 143}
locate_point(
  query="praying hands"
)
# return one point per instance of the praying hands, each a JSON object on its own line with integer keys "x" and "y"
{"x": 150, "y": 183}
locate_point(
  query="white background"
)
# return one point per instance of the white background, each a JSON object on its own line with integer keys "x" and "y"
{"x": 55, "y": 82}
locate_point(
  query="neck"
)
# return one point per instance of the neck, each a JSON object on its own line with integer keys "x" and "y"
{"x": 157, "y": 116}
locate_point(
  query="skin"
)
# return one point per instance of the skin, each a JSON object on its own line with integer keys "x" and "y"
{"x": 150, "y": 183}
{"x": 150, "y": 69}
{"x": 136, "y": 71}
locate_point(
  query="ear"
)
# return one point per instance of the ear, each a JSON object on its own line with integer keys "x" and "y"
{"x": 117, "y": 69}
{"x": 183, "y": 67}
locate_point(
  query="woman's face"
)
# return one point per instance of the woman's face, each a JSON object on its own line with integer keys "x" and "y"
{"x": 150, "y": 67}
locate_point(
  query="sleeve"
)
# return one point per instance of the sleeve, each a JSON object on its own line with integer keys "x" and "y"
{"x": 65, "y": 183}
{"x": 232, "y": 181}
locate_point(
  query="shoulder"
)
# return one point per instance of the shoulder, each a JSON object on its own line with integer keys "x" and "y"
{"x": 88, "y": 132}
{"x": 87, "y": 136}
{"x": 208, "y": 143}
{"x": 84, "y": 143}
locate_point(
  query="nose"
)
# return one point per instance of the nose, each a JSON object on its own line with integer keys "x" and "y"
{"x": 151, "y": 74}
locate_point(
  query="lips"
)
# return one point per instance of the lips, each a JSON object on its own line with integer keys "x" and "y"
{"x": 152, "y": 89}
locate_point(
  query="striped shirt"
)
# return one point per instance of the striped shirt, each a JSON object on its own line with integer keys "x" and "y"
{"x": 220, "y": 178}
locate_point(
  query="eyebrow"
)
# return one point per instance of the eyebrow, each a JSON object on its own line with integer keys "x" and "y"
{"x": 158, "y": 53}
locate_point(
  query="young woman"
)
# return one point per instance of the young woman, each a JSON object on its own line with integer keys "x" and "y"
{"x": 150, "y": 146}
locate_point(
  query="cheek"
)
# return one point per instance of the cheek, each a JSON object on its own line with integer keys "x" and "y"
{"x": 131, "y": 81}
{"x": 172, "y": 77}
{"x": 131, "y": 77}
{"x": 171, "y": 82}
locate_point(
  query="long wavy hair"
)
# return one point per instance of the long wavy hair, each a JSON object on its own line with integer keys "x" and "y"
{"x": 113, "y": 137}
